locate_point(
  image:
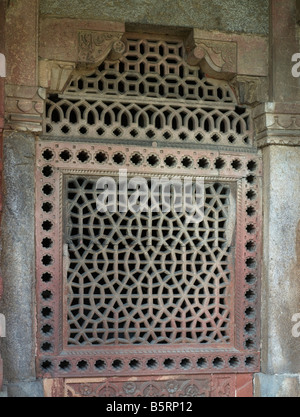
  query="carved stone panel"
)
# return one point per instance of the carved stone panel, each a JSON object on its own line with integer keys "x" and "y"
{"x": 228, "y": 385}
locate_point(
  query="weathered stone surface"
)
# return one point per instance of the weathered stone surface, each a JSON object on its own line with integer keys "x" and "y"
{"x": 281, "y": 260}
{"x": 18, "y": 257}
{"x": 82, "y": 41}
{"x": 25, "y": 389}
{"x": 21, "y": 47}
{"x": 64, "y": 36}
{"x": 250, "y": 16}
{"x": 280, "y": 385}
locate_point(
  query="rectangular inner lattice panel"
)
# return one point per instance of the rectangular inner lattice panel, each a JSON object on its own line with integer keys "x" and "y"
{"x": 133, "y": 294}
{"x": 148, "y": 277}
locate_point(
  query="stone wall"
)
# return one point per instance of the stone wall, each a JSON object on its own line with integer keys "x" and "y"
{"x": 248, "y": 16}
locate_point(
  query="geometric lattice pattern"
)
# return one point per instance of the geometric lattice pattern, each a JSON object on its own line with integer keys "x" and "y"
{"x": 215, "y": 270}
{"x": 147, "y": 278}
{"x": 150, "y": 94}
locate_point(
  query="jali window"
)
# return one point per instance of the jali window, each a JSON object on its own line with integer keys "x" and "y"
{"x": 129, "y": 293}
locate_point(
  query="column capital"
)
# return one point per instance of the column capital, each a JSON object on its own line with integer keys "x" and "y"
{"x": 277, "y": 124}
{"x": 24, "y": 108}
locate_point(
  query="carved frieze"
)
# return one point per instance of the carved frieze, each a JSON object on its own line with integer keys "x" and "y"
{"x": 277, "y": 124}
{"x": 24, "y": 108}
{"x": 171, "y": 386}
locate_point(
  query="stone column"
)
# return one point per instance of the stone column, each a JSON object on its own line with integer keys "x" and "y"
{"x": 278, "y": 135}
{"x": 23, "y": 107}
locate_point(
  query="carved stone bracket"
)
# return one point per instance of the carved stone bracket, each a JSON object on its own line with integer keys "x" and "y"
{"x": 95, "y": 46}
{"x": 24, "y": 107}
{"x": 277, "y": 124}
{"x": 250, "y": 90}
{"x": 54, "y": 75}
{"x": 217, "y": 59}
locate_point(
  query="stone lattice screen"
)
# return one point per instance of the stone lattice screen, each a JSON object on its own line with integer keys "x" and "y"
{"x": 147, "y": 293}
{"x": 149, "y": 94}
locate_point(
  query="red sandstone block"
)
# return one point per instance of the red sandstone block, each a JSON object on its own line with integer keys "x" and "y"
{"x": 244, "y": 385}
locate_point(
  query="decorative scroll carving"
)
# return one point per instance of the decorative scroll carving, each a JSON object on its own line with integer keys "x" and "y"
{"x": 95, "y": 46}
{"x": 24, "y": 108}
{"x": 216, "y": 58}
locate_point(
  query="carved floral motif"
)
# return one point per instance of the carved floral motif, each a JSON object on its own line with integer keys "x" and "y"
{"x": 205, "y": 386}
